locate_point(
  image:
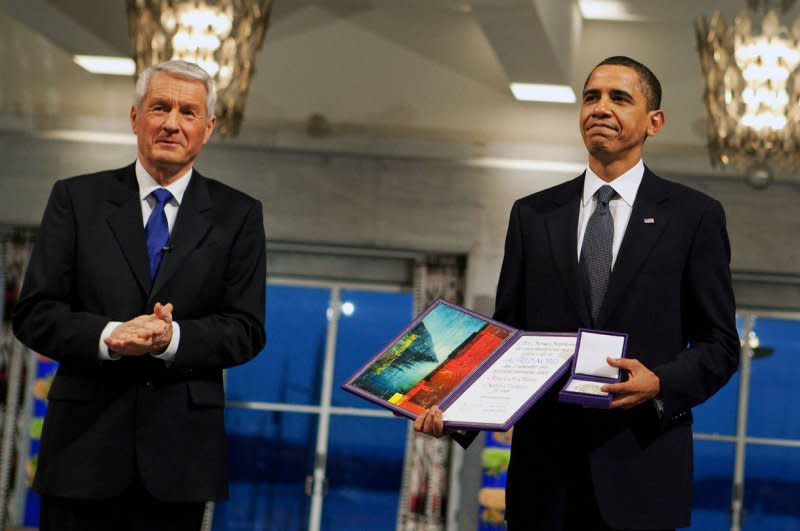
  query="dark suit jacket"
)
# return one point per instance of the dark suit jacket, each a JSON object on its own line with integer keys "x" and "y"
{"x": 108, "y": 421}
{"x": 670, "y": 290}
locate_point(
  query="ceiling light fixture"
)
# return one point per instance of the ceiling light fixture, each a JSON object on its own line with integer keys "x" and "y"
{"x": 550, "y": 166}
{"x": 90, "y": 137}
{"x": 221, "y": 36}
{"x": 544, "y": 93}
{"x": 751, "y": 93}
{"x": 103, "y": 64}
{"x": 606, "y": 10}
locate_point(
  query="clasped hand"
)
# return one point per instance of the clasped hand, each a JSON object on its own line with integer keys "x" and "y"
{"x": 144, "y": 334}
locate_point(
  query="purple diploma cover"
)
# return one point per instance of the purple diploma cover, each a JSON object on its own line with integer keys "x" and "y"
{"x": 481, "y": 373}
{"x": 590, "y": 370}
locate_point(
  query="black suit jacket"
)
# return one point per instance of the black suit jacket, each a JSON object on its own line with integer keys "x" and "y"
{"x": 670, "y": 290}
{"x": 109, "y": 421}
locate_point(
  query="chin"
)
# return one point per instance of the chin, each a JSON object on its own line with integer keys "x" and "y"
{"x": 596, "y": 148}
{"x": 168, "y": 162}
{"x": 167, "y": 159}
{"x": 168, "y": 155}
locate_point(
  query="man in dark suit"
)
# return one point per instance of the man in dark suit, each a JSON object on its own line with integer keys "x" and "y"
{"x": 134, "y": 435}
{"x": 663, "y": 277}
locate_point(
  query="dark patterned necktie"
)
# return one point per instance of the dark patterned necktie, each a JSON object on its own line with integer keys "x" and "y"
{"x": 595, "y": 262}
{"x": 157, "y": 230}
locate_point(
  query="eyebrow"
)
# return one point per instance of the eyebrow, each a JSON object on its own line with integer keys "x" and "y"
{"x": 170, "y": 102}
{"x": 159, "y": 101}
{"x": 616, "y": 93}
{"x": 619, "y": 93}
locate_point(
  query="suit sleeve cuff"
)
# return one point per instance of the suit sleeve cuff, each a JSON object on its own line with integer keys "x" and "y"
{"x": 102, "y": 349}
{"x": 659, "y": 405}
{"x": 172, "y": 349}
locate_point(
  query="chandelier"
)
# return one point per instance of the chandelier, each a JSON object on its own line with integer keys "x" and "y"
{"x": 221, "y": 36}
{"x": 752, "y": 92}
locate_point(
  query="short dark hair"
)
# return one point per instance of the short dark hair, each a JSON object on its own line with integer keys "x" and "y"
{"x": 651, "y": 87}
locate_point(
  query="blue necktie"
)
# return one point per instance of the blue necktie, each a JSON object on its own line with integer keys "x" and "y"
{"x": 596, "y": 255}
{"x": 157, "y": 230}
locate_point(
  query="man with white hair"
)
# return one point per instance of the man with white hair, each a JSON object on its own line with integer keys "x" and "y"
{"x": 144, "y": 284}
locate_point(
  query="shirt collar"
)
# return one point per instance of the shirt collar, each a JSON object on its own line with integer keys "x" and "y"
{"x": 147, "y": 183}
{"x": 626, "y": 185}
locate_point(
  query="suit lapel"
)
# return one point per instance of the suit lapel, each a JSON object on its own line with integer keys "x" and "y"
{"x": 191, "y": 227}
{"x": 127, "y": 225}
{"x": 648, "y": 220}
{"x": 562, "y": 228}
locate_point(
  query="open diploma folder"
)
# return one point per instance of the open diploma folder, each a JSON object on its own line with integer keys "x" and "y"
{"x": 482, "y": 374}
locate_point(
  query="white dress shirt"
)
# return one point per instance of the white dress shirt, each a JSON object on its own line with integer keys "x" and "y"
{"x": 626, "y": 186}
{"x": 147, "y": 184}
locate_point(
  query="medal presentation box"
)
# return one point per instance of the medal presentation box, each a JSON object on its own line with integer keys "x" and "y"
{"x": 481, "y": 373}
{"x": 590, "y": 370}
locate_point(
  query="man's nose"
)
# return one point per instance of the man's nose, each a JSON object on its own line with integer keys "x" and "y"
{"x": 171, "y": 120}
{"x": 600, "y": 107}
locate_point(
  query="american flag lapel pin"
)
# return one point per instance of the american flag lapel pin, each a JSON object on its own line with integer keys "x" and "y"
{"x": 649, "y": 221}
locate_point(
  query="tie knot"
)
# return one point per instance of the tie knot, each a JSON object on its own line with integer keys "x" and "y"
{"x": 162, "y": 195}
{"x": 604, "y": 194}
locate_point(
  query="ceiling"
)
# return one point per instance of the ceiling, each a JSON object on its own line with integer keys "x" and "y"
{"x": 412, "y": 77}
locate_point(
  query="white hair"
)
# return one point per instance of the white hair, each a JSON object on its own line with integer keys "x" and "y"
{"x": 177, "y": 68}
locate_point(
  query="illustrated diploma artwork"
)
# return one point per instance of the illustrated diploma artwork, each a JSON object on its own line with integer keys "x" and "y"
{"x": 482, "y": 374}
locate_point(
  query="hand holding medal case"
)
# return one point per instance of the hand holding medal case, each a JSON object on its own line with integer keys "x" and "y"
{"x": 590, "y": 370}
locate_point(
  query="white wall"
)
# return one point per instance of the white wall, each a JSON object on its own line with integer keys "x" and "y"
{"x": 389, "y": 202}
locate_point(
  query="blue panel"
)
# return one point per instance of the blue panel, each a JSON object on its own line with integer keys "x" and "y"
{"x": 289, "y": 370}
{"x": 772, "y": 488}
{"x": 365, "y": 466}
{"x": 718, "y": 413}
{"x": 271, "y": 454}
{"x": 773, "y": 381}
{"x": 376, "y": 318}
{"x": 713, "y": 479}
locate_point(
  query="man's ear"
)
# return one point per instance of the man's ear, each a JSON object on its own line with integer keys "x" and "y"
{"x": 133, "y": 118}
{"x": 655, "y": 121}
{"x": 210, "y": 124}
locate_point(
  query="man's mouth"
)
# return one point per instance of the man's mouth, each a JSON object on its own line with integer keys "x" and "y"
{"x": 600, "y": 125}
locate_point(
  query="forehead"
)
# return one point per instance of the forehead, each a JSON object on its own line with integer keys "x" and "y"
{"x": 607, "y": 77}
{"x": 164, "y": 84}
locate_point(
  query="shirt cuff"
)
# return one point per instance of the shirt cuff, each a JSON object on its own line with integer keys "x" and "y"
{"x": 102, "y": 349}
{"x": 172, "y": 349}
